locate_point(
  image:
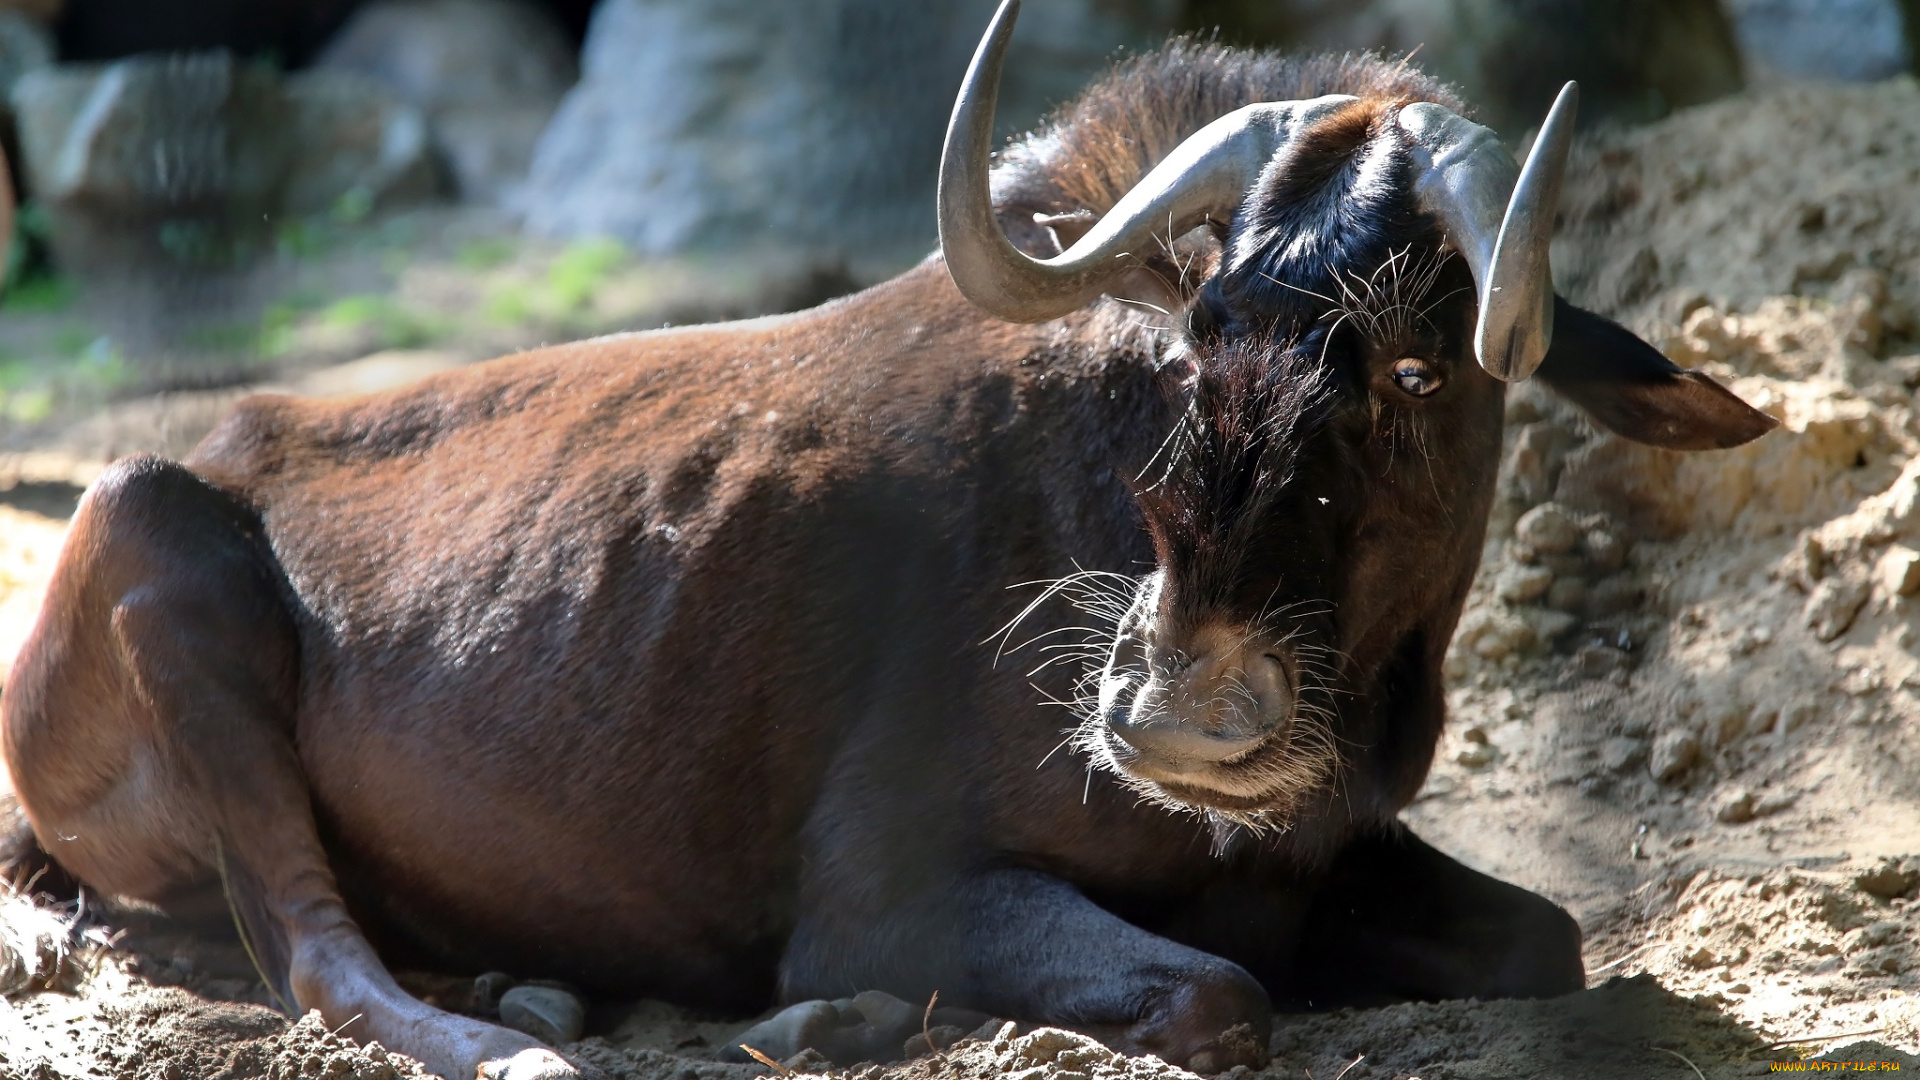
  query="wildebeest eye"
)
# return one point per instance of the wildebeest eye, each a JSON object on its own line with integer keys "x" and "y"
{"x": 1416, "y": 376}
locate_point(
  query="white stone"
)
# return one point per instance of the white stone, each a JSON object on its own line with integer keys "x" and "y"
{"x": 1524, "y": 584}
{"x": 1832, "y": 606}
{"x": 1548, "y": 528}
{"x": 1674, "y": 752}
{"x": 1899, "y": 571}
{"x": 549, "y": 1014}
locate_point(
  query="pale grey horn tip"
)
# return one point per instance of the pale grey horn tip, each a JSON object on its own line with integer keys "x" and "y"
{"x": 1517, "y": 307}
{"x": 1561, "y": 115}
{"x": 1003, "y": 16}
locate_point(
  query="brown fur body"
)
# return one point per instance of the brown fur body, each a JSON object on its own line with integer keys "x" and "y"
{"x": 636, "y": 603}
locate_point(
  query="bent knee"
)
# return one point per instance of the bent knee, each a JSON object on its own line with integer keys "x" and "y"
{"x": 128, "y": 482}
{"x": 155, "y": 619}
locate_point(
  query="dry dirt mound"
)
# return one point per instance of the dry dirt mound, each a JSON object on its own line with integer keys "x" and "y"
{"x": 167, "y": 1034}
{"x": 1690, "y": 680}
{"x": 1685, "y": 692}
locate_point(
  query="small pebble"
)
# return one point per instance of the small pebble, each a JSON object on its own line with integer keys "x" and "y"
{"x": 1615, "y": 595}
{"x": 1900, "y": 571}
{"x": 1736, "y": 808}
{"x": 551, "y": 1015}
{"x": 1548, "y": 624}
{"x": 1605, "y": 552}
{"x": 1597, "y": 660}
{"x": 1524, "y": 584}
{"x": 786, "y": 1033}
{"x": 1547, "y": 528}
{"x": 1888, "y": 880}
{"x": 1622, "y": 753}
{"x": 1674, "y": 752}
{"x": 1881, "y": 932}
{"x": 1567, "y": 594}
{"x": 488, "y": 987}
{"x": 1831, "y": 608}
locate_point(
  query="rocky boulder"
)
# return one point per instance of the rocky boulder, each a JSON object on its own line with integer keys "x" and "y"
{"x": 810, "y": 125}
{"x": 25, "y": 46}
{"x": 158, "y": 170}
{"x": 486, "y": 74}
{"x": 1841, "y": 40}
{"x": 177, "y": 134}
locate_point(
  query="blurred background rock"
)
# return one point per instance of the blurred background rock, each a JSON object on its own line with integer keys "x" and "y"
{"x": 486, "y": 75}
{"x": 226, "y": 192}
{"x": 672, "y": 141}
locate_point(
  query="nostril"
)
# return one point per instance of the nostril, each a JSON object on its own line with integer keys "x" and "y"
{"x": 1269, "y": 676}
{"x": 1256, "y": 686}
{"x": 1204, "y": 707}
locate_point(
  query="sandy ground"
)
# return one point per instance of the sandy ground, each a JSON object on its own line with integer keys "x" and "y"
{"x": 1686, "y": 695}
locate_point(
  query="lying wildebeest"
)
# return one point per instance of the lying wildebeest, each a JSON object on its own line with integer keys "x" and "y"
{"x": 654, "y": 662}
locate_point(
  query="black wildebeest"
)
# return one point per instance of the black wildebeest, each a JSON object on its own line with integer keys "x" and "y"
{"x": 654, "y": 662}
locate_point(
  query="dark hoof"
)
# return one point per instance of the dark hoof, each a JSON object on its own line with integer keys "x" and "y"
{"x": 1209, "y": 1024}
{"x": 1236, "y": 1046}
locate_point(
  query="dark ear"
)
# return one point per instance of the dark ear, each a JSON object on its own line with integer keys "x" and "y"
{"x": 1627, "y": 387}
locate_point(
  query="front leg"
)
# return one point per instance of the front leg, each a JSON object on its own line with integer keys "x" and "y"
{"x": 1024, "y": 944}
{"x": 1397, "y": 920}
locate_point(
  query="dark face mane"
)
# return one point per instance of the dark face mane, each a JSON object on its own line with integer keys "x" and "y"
{"x": 1314, "y": 294}
{"x": 1324, "y": 399}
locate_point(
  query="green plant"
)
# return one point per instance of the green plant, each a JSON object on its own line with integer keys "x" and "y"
{"x": 572, "y": 280}
{"x": 28, "y": 406}
{"x": 42, "y": 293}
{"x": 510, "y": 303}
{"x": 577, "y": 273}
{"x": 393, "y": 326}
{"x": 86, "y": 369}
{"x": 485, "y": 254}
{"x": 31, "y": 285}
{"x": 299, "y": 239}
{"x": 354, "y": 204}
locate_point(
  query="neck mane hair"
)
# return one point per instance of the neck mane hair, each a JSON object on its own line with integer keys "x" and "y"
{"x": 1096, "y": 148}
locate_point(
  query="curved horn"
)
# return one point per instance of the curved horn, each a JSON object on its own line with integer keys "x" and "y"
{"x": 1502, "y": 220}
{"x": 1204, "y": 178}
